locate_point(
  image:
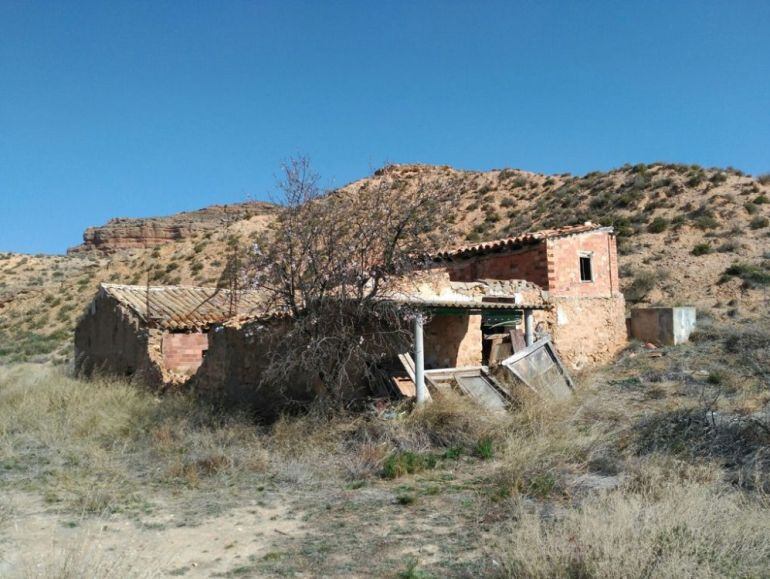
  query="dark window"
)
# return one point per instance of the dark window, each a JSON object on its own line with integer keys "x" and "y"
{"x": 585, "y": 268}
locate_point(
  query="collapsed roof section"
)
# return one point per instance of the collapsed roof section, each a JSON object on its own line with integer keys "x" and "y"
{"x": 184, "y": 307}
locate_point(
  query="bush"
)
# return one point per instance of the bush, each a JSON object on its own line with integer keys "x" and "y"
{"x": 729, "y": 246}
{"x": 761, "y": 199}
{"x": 759, "y": 222}
{"x": 643, "y": 283}
{"x": 764, "y": 179}
{"x": 680, "y": 531}
{"x": 718, "y": 178}
{"x": 701, "y": 249}
{"x": 750, "y": 208}
{"x": 658, "y": 225}
{"x": 751, "y": 274}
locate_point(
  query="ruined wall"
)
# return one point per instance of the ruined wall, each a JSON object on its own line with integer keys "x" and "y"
{"x": 452, "y": 340}
{"x": 587, "y": 331}
{"x": 183, "y": 352}
{"x": 109, "y": 339}
{"x": 529, "y": 263}
{"x": 232, "y": 369}
{"x": 564, "y": 265}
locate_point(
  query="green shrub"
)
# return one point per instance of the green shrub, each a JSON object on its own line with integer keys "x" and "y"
{"x": 761, "y": 199}
{"x": 759, "y": 222}
{"x": 485, "y": 448}
{"x": 706, "y": 222}
{"x": 701, "y": 249}
{"x": 398, "y": 464}
{"x": 658, "y": 225}
{"x": 643, "y": 283}
{"x": 750, "y": 208}
{"x": 728, "y": 246}
{"x": 718, "y": 178}
{"x": 751, "y": 274}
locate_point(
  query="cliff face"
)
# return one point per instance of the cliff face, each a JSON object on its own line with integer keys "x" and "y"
{"x": 137, "y": 233}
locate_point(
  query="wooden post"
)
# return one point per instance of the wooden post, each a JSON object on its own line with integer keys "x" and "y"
{"x": 529, "y": 328}
{"x": 419, "y": 361}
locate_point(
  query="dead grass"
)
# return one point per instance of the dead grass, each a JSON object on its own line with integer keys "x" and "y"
{"x": 684, "y": 530}
{"x": 654, "y": 468}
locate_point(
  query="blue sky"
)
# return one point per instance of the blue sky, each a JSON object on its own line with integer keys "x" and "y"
{"x": 141, "y": 108}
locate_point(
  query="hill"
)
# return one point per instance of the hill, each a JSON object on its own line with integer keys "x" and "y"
{"x": 687, "y": 234}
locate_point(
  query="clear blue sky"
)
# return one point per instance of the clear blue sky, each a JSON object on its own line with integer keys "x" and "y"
{"x": 142, "y": 108}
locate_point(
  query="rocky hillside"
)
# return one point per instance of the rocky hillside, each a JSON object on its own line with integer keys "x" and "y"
{"x": 686, "y": 235}
{"x": 125, "y": 233}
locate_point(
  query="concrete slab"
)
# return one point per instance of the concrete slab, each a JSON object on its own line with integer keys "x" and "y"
{"x": 664, "y": 326}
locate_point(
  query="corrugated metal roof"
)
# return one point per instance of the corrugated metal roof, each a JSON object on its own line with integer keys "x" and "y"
{"x": 182, "y": 307}
{"x": 519, "y": 240}
{"x": 470, "y": 304}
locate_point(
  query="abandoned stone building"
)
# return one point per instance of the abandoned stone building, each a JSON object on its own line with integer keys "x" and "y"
{"x": 158, "y": 334}
{"x": 481, "y": 303}
{"x": 569, "y": 275}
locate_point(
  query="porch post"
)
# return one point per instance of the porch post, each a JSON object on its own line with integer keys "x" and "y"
{"x": 529, "y": 329}
{"x": 419, "y": 361}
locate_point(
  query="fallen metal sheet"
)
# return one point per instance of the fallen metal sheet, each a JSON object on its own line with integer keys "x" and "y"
{"x": 539, "y": 367}
{"x": 474, "y": 381}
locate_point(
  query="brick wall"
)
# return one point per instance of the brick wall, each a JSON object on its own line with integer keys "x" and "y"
{"x": 529, "y": 263}
{"x": 564, "y": 265}
{"x": 184, "y": 352}
{"x": 452, "y": 340}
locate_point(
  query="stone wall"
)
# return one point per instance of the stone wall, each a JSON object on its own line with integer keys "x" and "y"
{"x": 232, "y": 369}
{"x": 587, "y": 331}
{"x": 183, "y": 352}
{"x": 109, "y": 339}
{"x": 452, "y": 341}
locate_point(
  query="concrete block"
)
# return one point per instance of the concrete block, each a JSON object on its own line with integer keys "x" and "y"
{"x": 663, "y": 326}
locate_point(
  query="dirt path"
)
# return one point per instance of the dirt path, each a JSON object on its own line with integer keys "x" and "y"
{"x": 37, "y": 541}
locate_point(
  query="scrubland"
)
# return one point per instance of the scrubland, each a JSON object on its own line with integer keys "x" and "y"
{"x": 659, "y": 467}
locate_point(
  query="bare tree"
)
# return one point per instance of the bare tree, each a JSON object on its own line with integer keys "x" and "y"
{"x": 328, "y": 264}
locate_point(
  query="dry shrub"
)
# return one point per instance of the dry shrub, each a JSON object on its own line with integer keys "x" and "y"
{"x": 545, "y": 439}
{"x": 96, "y": 445}
{"x": 454, "y": 421}
{"x": 688, "y": 530}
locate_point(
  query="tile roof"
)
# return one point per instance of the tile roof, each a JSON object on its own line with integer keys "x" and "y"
{"x": 182, "y": 307}
{"x": 519, "y": 240}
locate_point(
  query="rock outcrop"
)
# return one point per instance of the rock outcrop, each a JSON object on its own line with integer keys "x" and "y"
{"x": 132, "y": 233}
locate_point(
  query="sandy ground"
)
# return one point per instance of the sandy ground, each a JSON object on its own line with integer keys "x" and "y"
{"x": 37, "y": 542}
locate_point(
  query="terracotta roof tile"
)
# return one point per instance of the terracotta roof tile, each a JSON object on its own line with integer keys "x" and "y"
{"x": 183, "y": 307}
{"x": 512, "y": 242}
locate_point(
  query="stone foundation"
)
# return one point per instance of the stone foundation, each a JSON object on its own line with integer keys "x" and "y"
{"x": 587, "y": 331}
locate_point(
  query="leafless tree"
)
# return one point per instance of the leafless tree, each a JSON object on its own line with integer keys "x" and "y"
{"x": 328, "y": 264}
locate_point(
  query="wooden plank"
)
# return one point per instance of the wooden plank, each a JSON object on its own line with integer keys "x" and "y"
{"x": 517, "y": 340}
{"x": 407, "y": 363}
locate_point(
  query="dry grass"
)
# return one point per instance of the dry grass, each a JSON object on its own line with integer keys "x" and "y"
{"x": 657, "y": 467}
{"x": 681, "y": 530}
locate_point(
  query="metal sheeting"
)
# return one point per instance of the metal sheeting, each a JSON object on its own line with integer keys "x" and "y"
{"x": 182, "y": 307}
{"x": 474, "y": 381}
{"x": 470, "y": 305}
{"x": 539, "y": 367}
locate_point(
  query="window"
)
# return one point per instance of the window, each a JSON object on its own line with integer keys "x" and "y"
{"x": 586, "y": 274}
